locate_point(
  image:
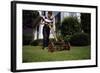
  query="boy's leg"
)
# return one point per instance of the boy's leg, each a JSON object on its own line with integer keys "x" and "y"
{"x": 48, "y": 34}
{"x": 44, "y": 38}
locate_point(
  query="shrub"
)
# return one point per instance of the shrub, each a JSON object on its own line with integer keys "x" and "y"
{"x": 27, "y": 39}
{"x": 67, "y": 38}
{"x": 35, "y": 43}
{"x": 80, "y": 39}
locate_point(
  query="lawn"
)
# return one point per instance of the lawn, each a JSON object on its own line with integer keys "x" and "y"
{"x": 36, "y": 54}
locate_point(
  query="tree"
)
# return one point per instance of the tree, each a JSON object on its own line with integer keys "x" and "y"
{"x": 70, "y": 25}
{"x": 29, "y": 25}
{"x": 86, "y": 22}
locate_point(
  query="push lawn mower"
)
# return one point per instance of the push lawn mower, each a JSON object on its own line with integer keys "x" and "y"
{"x": 59, "y": 45}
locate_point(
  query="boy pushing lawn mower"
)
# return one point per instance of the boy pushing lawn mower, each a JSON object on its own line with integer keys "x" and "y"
{"x": 48, "y": 26}
{"x": 58, "y": 44}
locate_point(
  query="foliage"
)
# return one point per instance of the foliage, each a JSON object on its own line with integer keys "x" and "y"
{"x": 86, "y": 22}
{"x": 28, "y": 17}
{"x": 35, "y": 43}
{"x": 67, "y": 37}
{"x": 70, "y": 25}
{"x": 27, "y": 39}
{"x": 80, "y": 39}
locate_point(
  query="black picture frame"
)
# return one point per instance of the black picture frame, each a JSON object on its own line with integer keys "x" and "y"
{"x": 13, "y": 35}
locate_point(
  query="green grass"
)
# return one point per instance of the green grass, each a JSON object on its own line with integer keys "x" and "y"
{"x": 36, "y": 54}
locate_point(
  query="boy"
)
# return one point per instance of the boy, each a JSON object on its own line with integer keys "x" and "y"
{"x": 48, "y": 24}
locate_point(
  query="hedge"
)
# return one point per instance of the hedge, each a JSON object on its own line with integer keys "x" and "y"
{"x": 80, "y": 39}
